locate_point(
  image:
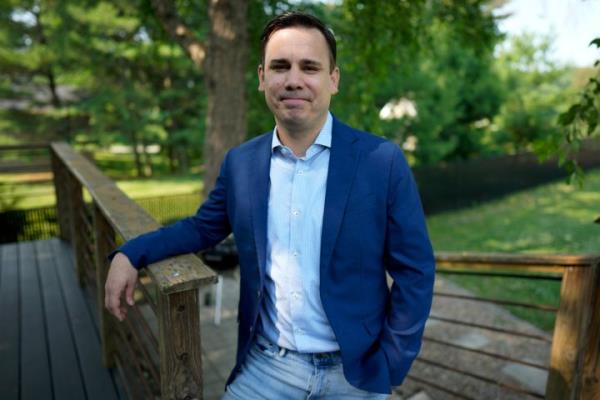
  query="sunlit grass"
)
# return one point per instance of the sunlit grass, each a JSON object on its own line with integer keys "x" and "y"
{"x": 550, "y": 219}
{"x": 40, "y": 194}
{"x": 553, "y": 218}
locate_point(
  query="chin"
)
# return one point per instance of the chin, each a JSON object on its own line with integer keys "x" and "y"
{"x": 295, "y": 121}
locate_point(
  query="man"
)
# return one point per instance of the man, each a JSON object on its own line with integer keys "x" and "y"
{"x": 320, "y": 212}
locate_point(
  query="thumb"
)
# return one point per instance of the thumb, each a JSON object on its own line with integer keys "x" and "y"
{"x": 129, "y": 293}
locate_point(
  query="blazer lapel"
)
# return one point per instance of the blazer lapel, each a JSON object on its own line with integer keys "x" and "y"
{"x": 258, "y": 169}
{"x": 343, "y": 161}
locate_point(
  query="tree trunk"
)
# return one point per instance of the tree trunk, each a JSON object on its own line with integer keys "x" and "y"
{"x": 52, "y": 86}
{"x": 147, "y": 160}
{"x": 136, "y": 154}
{"x": 224, "y": 62}
{"x": 225, "y": 68}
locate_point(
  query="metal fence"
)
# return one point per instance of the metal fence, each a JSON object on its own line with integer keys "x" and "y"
{"x": 41, "y": 222}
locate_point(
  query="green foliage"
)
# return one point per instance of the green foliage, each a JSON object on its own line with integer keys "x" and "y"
{"x": 106, "y": 71}
{"x": 435, "y": 54}
{"x": 130, "y": 84}
{"x": 537, "y": 90}
{"x": 580, "y": 121}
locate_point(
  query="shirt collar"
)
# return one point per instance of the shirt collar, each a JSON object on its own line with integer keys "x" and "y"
{"x": 323, "y": 138}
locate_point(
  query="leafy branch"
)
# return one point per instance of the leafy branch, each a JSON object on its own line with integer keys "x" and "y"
{"x": 580, "y": 121}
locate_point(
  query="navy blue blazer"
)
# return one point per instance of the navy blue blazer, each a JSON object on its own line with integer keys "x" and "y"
{"x": 373, "y": 222}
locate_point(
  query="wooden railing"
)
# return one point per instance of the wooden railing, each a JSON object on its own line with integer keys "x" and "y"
{"x": 573, "y": 371}
{"x": 157, "y": 350}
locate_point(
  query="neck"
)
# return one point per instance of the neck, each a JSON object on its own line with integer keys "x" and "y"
{"x": 297, "y": 138}
{"x": 296, "y": 141}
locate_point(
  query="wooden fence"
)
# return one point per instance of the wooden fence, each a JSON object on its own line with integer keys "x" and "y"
{"x": 157, "y": 349}
{"x": 574, "y": 368}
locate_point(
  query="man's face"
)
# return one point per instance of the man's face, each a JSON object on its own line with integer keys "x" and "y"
{"x": 297, "y": 78}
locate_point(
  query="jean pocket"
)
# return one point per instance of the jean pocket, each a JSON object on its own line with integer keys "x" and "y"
{"x": 266, "y": 349}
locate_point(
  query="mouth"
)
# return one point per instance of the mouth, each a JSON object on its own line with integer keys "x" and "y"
{"x": 293, "y": 101}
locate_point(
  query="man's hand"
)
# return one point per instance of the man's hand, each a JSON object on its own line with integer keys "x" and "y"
{"x": 122, "y": 278}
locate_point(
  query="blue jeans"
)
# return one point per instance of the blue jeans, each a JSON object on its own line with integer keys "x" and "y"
{"x": 273, "y": 373}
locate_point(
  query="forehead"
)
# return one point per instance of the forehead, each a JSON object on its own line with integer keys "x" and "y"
{"x": 298, "y": 42}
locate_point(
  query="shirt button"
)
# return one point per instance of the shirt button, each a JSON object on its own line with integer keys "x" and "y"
{"x": 295, "y": 254}
{"x": 300, "y": 172}
{"x": 296, "y": 212}
{"x": 259, "y": 293}
{"x": 251, "y": 328}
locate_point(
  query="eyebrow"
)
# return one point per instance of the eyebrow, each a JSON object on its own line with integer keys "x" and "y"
{"x": 304, "y": 62}
{"x": 310, "y": 63}
{"x": 279, "y": 61}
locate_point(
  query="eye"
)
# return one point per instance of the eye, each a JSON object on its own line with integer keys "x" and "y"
{"x": 279, "y": 67}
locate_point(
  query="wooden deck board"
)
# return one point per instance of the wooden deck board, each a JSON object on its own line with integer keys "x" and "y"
{"x": 35, "y": 368}
{"x": 49, "y": 343}
{"x": 63, "y": 355}
{"x": 9, "y": 321}
{"x": 98, "y": 381}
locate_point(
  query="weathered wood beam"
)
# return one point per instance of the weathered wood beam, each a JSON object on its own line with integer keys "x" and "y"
{"x": 129, "y": 220}
{"x": 574, "y": 359}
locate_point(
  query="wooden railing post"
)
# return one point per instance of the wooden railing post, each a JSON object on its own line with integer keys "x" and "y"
{"x": 175, "y": 280}
{"x": 179, "y": 345}
{"x": 591, "y": 358}
{"x": 60, "y": 190}
{"x": 105, "y": 236}
{"x": 76, "y": 209}
{"x": 574, "y": 359}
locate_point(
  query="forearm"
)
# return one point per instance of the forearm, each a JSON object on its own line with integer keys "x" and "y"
{"x": 184, "y": 236}
{"x": 205, "y": 229}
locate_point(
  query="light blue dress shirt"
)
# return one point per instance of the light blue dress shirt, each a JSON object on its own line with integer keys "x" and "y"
{"x": 292, "y": 314}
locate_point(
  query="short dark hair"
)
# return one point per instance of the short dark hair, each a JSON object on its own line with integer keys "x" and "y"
{"x": 298, "y": 18}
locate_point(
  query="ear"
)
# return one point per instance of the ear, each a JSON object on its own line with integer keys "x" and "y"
{"x": 334, "y": 76}
{"x": 261, "y": 78}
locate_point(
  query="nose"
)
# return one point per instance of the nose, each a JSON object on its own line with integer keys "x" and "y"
{"x": 293, "y": 79}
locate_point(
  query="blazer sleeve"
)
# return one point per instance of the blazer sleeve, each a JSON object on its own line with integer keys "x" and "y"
{"x": 206, "y": 228}
{"x": 411, "y": 264}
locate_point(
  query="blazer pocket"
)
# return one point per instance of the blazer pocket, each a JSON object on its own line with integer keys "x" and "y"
{"x": 374, "y": 324}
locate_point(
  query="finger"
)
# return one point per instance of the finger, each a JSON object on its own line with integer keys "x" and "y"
{"x": 108, "y": 293}
{"x": 122, "y": 313}
{"x": 129, "y": 293}
{"x": 113, "y": 302}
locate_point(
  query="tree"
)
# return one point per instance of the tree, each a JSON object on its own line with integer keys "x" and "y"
{"x": 580, "y": 121}
{"x": 222, "y": 59}
{"x": 32, "y": 56}
{"x": 536, "y": 93}
{"x": 437, "y": 54}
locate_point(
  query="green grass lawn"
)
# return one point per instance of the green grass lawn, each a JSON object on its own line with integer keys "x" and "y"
{"x": 40, "y": 194}
{"x": 550, "y": 219}
{"x": 553, "y": 218}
